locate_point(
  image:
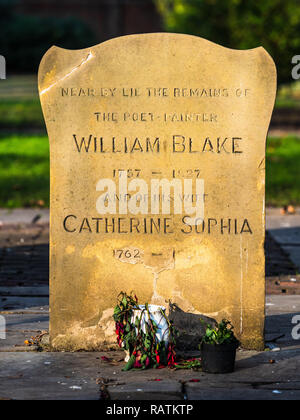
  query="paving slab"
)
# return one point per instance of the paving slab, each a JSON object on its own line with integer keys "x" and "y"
{"x": 48, "y": 376}
{"x": 15, "y": 340}
{"x": 287, "y": 236}
{"x": 279, "y": 330}
{"x": 18, "y": 303}
{"x": 280, "y": 314}
{"x": 285, "y": 229}
{"x": 21, "y": 327}
{"x": 193, "y": 392}
{"x": 280, "y": 304}
{"x": 35, "y": 291}
{"x": 293, "y": 252}
{"x": 27, "y": 322}
{"x": 30, "y": 215}
{"x": 147, "y": 390}
{"x": 26, "y": 310}
{"x": 79, "y": 375}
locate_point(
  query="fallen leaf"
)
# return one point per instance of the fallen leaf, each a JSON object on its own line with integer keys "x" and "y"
{"x": 291, "y": 209}
{"x": 105, "y": 359}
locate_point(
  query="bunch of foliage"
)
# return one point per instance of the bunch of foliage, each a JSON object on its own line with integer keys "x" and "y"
{"x": 221, "y": 333}
{"x": 144, "y": 348}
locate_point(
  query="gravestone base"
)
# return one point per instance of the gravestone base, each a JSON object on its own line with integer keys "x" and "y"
{"x": 99, "y": 335}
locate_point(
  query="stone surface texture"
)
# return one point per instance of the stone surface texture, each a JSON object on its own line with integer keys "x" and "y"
{"x": 188, "y": 109}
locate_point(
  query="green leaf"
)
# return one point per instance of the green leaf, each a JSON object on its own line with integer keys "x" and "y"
{"x": 124, "y": 302}
{"x": 117, "y": 310}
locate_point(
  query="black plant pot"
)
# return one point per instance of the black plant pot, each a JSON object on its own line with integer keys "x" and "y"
{"x": 218, "y": 358}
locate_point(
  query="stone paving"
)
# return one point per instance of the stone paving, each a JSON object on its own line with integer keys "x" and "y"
{"x": 28, "y": 374}
{"x": 285, "y": 230}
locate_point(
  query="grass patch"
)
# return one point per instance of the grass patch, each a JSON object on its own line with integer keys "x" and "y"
{"x": 19, "y": 87}
{"x": 283, "y": 171}
{"x": 24, "y": 171}
{"x": 19, "y": 103}
{"x": 287, "y": 103}
{"x": 288, "y": 96}
{"x": 26, "y": 113}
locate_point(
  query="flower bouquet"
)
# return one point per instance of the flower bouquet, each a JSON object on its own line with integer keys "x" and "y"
{"x": 145, "y": 333}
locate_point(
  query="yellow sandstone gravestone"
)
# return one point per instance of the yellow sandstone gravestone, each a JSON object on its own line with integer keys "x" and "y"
{"x": 157, "y": 151}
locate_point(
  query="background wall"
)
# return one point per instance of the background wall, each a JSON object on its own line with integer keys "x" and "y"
{"x": 107, "y": 18}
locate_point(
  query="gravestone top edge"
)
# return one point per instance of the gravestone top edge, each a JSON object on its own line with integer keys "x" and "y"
{"x": 155, "y": 36}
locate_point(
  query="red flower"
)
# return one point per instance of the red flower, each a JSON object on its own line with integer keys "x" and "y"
{"x": 120, "y": 333}
{"x": 171, "y": 355}
{"x": 137, "y": 364}
{"x": 157, "y": 357}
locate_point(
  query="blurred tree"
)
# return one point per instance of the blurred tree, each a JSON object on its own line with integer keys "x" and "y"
{"x": 6, "y": 9}
{"x": 241, "y": 24}
{"x": 24, "y": 39}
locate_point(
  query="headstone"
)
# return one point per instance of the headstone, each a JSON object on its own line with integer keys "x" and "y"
{"x": 157, "y": 151}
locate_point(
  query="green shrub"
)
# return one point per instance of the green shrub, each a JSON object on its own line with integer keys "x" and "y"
{"x": 241, "y": 24}
{"x": 221, "y": 333}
